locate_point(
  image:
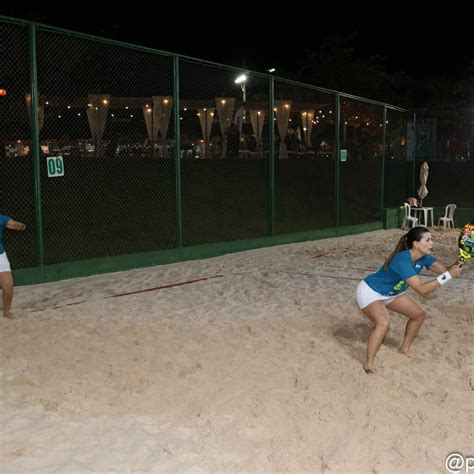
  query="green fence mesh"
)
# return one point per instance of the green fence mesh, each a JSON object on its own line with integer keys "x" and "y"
{"x": 160, "y": 151}
{"x": 117, "y": 191}
{"x": 360, "y": 176}
{"x": 304, "y": 159}
{"x": 224, "y": 169}
{"x": 17, "y": 187}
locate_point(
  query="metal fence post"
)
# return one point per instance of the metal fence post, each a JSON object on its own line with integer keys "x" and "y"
{"x": 177, "y": 152}
{"x": 338, "y": 153}
{"x": 271, "y": 157}
{"x": 414, "y": 156}
{"x": 36, "y": 145}
{"x": 382, "y": 172}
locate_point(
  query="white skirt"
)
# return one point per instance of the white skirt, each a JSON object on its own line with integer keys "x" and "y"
{"x": 4, "y": 263}
{"x": 366, "y": 295}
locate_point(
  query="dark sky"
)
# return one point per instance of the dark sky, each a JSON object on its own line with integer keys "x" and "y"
{"x": 431, "y": 44}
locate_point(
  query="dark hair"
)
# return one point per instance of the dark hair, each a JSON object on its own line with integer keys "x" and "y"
{"x": 406, "y": 242}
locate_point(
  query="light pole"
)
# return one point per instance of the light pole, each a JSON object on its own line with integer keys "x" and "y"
{"x": 242, "y": 79}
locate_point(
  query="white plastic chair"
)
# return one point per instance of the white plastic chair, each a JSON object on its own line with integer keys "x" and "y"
{"x": 448, "y": 218}
{"x": 408, "y": 218}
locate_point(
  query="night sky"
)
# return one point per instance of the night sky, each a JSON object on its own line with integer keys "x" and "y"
{"x": 431, "y": 44}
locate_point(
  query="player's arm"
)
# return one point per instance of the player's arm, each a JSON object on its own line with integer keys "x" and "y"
{"x": 438, "y": 268}
{"x": 422, "y": 288}
{"x": 427, "y": 287}
{"x": 15, "y": 225}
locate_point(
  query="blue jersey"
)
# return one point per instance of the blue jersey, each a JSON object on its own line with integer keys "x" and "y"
{"x": 392, "y": 281}
{"x": 3, "y": 222}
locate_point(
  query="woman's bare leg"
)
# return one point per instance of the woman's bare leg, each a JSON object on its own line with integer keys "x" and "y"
{"x": 6, "y": 283}
{"x": 377, "y": 313}
{"x": 408, "y": 307}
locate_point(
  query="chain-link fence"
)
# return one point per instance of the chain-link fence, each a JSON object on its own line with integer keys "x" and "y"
{"x": 225, "y": 164}
{"x": 17, "y": 180}
{"x": 108, "y": 149}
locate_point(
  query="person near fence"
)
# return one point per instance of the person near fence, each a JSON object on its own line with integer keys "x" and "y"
{"x": 386, "y": 289}
{"x": 6, "y": 279}
{"x": 233, "y": 140}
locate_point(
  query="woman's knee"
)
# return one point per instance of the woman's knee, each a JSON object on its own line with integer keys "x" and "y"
{"x": 382, "y": 324}
{"x": 6, "y": 284}
{"x": 7, "y": 290}
{"x": 419, "y": 315}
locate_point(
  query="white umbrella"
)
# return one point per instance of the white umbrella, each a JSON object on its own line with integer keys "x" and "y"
{"x": 423, "y": 190}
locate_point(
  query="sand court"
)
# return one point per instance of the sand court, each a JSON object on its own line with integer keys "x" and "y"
{"x": 248, "y": 362}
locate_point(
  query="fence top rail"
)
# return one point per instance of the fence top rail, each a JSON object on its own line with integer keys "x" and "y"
{"x": 204, "y": 62}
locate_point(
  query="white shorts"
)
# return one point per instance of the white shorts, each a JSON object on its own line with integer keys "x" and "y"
{"x": 366, "y": 295}
{"x": 4, "y": 263}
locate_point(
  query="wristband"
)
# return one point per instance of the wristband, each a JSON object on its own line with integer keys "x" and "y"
{"x": 444, "y": 278}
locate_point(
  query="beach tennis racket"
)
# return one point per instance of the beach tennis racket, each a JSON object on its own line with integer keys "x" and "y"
{"x": 466, "y": 243}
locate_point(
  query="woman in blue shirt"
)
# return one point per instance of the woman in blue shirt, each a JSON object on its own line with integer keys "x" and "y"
{"x": 386, "y": 289}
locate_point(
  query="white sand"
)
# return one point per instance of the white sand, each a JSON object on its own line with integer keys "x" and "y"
{"x": 257, "y": 370}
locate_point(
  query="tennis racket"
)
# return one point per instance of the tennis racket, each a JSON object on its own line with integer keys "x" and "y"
{"x": 466, "y": 243}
